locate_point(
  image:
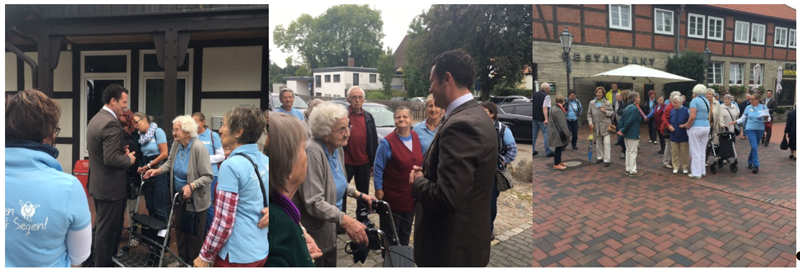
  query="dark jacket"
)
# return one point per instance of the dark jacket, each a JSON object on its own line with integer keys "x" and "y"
{"x": 107, "y": 160}
{"x": 372, "y": 137}
{"x": 772, "y": 105}
{"x": 743, "y": 106}
{"x": 630, "y": 121}
{"x": 676, "y": 118}
{"x": 287, "y": 246}
{"x": 791, "y": 127}
{"x": 538, "y": 103}
{"x": 453, "y": 221}
{"x": 645, "y": 104}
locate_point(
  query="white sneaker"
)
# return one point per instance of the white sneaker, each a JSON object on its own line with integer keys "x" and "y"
{"x": 669, "y": 166}
{"x": 175, "y": 264}
{"x": 694, "y": 177}
{"x": 686, "y": 171}
{"x": 675, "y": 171}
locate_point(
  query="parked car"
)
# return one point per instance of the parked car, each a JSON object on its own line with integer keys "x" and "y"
{"x": 398, "y": 99}
{"x": 521, "y": 100}
{"x": 417, "y": 103}
{"x": 299, "y": 103}
{"x": 383, "y": 115}
{"x": 511, "y": 98}
{"x": 519, "y": 118}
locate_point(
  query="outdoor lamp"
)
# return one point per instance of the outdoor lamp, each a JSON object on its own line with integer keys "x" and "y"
{"x": 566, "y": 44}
{"x": 706, "y": 61}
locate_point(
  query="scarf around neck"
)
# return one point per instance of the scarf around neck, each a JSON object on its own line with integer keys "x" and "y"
{"x": 151, "y": 132}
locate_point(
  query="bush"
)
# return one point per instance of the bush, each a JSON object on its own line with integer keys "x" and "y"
{"x": 380, "y": 95}
{"x": 781, "y": 110}
{"x": 689, "y": 65}
{"x": 737, "y": 89}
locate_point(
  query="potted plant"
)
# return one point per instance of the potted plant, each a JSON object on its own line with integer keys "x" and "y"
{"x": 780, "y": 112}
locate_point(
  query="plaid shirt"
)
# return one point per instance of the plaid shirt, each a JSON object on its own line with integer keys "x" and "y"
{"x": 220, "y": 231}
{"x": 511, "y": 153}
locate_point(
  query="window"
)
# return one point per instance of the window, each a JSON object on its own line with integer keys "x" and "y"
{"x": 736, "y": 74}
{"x": 792, "y": 38}
{"x": 742, "y": 34}
{"x": 151, "y": 64}
{"x": 696, "y": 26}
{"x": 355, "y": 79}
{"x": 318, "y": 81}
{"x": 327, "y": 78}
{"x": 620, "y": 16}
{"x": 757, "y": 36}
{"x": 780, "y": 36}
{"x": 760, "y": 78}
{"x": 373, "y": 78}
{"x": 663, "y": 24}
{"x": 715, "y": 73}
{"x": 337, "y": 78}
{"x": 106, "y": 64}
{"x": 715, "y": 28}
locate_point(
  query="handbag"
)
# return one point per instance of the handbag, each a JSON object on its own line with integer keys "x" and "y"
{"x": 504, "y": 180}
{"x": 561, "y": 134}
{"x": 612, "y": 128}
{"x": 190, "y": 221}
{"x": 784, "y": 145}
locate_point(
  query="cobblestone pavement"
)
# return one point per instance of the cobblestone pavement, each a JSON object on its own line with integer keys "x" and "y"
{"x": 591, "y": 215}
{"x": 512, "y": 226}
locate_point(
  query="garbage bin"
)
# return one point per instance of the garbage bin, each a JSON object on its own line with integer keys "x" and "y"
{"x": 81, "y": 171}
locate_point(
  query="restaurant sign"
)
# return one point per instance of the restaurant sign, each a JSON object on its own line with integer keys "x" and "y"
{"x": 613, "y": 59}
{"x": 790, "y": 70}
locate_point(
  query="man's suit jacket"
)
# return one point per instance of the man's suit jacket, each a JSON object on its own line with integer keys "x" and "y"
{"x": 772, "y": 105}
{"x": 453, "y": 223}
{"x": 107, "y": 160}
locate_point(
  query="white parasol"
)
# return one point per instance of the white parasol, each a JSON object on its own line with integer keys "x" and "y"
{"x": 638, "y": 74}
{"x": 756, "y": 76}
{"x": 778, "y": 87}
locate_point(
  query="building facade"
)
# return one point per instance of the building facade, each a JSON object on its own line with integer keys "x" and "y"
{"x": 171, "y": 62}
{"x": 335, "y": 81}
{"x": 607, "y": 37}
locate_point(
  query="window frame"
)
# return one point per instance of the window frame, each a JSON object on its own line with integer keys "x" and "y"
{"x": 327, "y": 78}
{"x": 763, "y": 33}
{"x": 611, "y": 19}
{"x": 318, "y": 81}
{"x": 672, "y": 22}
{"x": 791, "y": 42}
{"x": 736, "y": 31}
{"x": 689, "y": 25}
{"x": 741, "y": 74}
{"x": 721, "y": 73}
{"x": 373, "y": 78}
{"x": 785, "y": 38}
{"x": 722, "y": 29}
{"x": 337, "y": 78}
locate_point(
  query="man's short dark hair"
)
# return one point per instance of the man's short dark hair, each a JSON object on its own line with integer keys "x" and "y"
{"x": 571, "y": 92}
{"x": 769, "y": 91}
{"x": 113, "y": 91}
{"x": 491, "y": 107}
{"x": 460, "y": 66}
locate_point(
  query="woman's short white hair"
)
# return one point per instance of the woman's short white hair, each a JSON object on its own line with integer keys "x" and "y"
{"x": 674, "y": 94}
{"x": 699, "y": 89}
{"x": 324, "y": 117}
{"x": 677, "y": 98}
{"x": 188, "y": 124}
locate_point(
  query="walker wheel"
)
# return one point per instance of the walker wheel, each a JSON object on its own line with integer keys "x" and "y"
{"x": 714, "y": 168}
{"x": 734, "y": 168}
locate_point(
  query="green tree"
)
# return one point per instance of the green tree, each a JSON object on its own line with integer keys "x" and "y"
{"x": 689, "y": 65}
{"x": 342, "y": 32}
{"x": 416, "y": 84}
{"x": 498, "y": 37}
{"x": 302, "y": 70}
{"x": 386, "y": 70}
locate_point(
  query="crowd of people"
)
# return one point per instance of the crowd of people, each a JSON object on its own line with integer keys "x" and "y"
{"x": 684, "y": 128}
{"x": 219, "y": 178}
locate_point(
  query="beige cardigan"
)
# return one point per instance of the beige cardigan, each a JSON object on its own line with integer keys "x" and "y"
{"x": 199, "y": 174}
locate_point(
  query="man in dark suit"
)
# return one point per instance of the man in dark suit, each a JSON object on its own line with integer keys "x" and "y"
{"x": 454, "y": 185}
{"x": 772, "y": 105}
{"x": 108, "y": 161}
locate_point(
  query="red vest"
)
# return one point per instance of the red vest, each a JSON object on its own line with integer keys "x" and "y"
{"x": 396, "y": 190}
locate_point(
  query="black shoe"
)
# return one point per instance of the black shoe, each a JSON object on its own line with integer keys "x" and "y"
{"x": 606, "y": 164}
{"x": 749, "y": 166}
{"x": 661, "y": 152}
{"x": 792, "y": 157}
{"x": 616, "y": 144}
{"x": 599, "y": 161}
{"x": 550, "y": 155}
{"x": 755, "y": 170}
{"x": 535, "y": 153}
{"x": 574, "y": 148}
{"x": 766, "y": 144}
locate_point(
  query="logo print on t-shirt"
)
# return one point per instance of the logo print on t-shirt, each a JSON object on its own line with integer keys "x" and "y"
{"x": 28, "y": 210}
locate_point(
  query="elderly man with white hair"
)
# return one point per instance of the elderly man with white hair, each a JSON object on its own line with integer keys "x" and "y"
{"x": 359, "y": 153}
{"x": 541, "y": 106}
{"x": 698, "y": 127}
{"x": 189, "y": 165}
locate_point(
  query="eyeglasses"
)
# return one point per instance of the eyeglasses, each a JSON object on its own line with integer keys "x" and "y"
{"x": 345, "y": 129}
{"x": 360, "y": 97}
{"x": 58, "y": 130}
{"x": 136, "y": 121}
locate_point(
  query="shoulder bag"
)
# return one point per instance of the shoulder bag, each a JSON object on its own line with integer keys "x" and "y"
{"x": 736, "y": 129}
{"x": 260, "y": 181}
{"x": 504, "y": 180}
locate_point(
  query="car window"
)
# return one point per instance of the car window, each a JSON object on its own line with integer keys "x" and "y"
{"x": 384, "y": 117}
{"x": 526, "y": 110}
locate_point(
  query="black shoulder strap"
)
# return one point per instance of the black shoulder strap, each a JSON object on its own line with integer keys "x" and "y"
{"x": 260, "y": 181}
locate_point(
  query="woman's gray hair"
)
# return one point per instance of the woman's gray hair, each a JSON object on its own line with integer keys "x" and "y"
{"x": 699, "y": 89}
{"x": 249, "y": 120}
{"x": 188, "y": 124}
{"x": 674, "y": 94}
{"x": 677, "y": 98}
{"x": 311, "y": 106}
{"x": 143, "y": 116}
{"x": 632, "y": 97}
{"x": 287, "y": 135}
{"x": 728, "y": 96}
{"x": 324, "y": 117}
{"x": 712, "y": 91}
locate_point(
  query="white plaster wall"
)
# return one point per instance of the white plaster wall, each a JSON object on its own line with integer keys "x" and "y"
{"x": 11, "y": 72}
{"x": 65, "y": 122}
{"x": 299, "y": 87}
{"x": 65, "y": 157}
{"x": 232, "y": 68}
{"x": 218, "y": 107}
{"x": 62, "y": 76}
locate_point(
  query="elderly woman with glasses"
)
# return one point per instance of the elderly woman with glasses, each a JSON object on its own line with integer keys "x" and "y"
{"x": 320, "y": 197}
{"x": 189, "y": 168}
{"x": 153, "y": 143}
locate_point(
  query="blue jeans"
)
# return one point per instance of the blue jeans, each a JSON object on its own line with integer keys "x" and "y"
{"x": 754, "y": 136}
{"x": 573, "y": 127}
{"x": 539, "y": 125}
{"x": 210, "y": 217}
{"x": 156, "y": 196}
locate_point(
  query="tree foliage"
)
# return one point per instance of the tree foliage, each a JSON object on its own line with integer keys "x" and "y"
{"x": 342, "y": 32}
{"x": 688, "y": 65}
{"x": 416, "y": 84}
{"x": 386, "y": 69}
{"x": 498, "y": 37}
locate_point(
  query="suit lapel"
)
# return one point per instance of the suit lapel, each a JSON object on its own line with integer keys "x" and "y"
{"x": 435, "y": 141}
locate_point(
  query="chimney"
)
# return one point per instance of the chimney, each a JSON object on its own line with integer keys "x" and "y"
{"x": 351, "y": 62}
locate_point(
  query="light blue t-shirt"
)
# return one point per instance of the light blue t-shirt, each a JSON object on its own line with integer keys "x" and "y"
{"x": 297, "y": 113}
{"x": 701, "y": 104}
{"x": 247, "y": 242}
{"x": 338, "y": 175}
{"x": 151, "y": 148}
{"x": 42, "y": 205}
{"x": 508, "y": 137}
{"x": 573, "y": 107}
{"x": 181, "y": 165}
{"x": 425, "y": 135}
{"x": 753, "y": 122}
{"x": 206, "y": 138}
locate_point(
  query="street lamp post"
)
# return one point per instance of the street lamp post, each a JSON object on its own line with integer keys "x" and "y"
{"x": 706, "y": 61}
{"x": 566, "y": 44}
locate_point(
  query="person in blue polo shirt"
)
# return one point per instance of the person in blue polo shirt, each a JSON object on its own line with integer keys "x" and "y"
{"x": 210, "y": 140}
{"x": 427, "y": 129}
{"x": 154, "y": 149}
{"x": 48, "y": 223}
{"x": 240, "y": 197}
{"x": 287, "y": 101}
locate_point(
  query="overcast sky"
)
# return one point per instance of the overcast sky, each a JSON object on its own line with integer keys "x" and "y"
{"x": 396, "y": 16}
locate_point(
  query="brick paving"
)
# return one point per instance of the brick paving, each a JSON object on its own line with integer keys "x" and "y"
{"x": 596, "y": 216}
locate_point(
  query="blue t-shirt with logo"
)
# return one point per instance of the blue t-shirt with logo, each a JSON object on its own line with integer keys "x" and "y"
{"x": 42, "y": 205}
{"x": 207, "y": 137}
{"x": 247, "y": 242}
{"x": 150, "y": 148}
